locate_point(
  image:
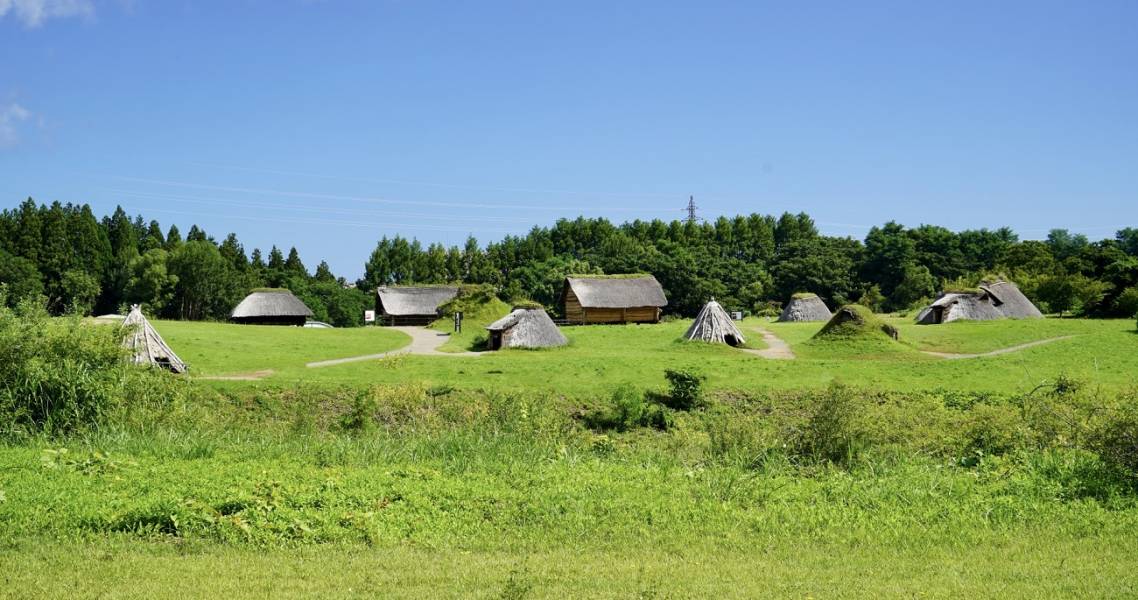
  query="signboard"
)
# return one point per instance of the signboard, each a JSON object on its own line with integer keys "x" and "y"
{"x": 737, "y": 316}
{"x": 458, "y": 321}
{"x": 369, "y": 316}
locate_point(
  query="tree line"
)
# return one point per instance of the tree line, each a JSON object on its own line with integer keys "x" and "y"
{"x": 77, "y": 262}
{"x": 755, "y": 262}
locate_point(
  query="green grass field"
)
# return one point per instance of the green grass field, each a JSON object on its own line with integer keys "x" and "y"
{"x": 440, "y": 476}
{"x": 1104, "y": 352}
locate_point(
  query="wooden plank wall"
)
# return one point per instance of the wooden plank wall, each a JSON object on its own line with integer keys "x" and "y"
{"x": 575, "y": 313}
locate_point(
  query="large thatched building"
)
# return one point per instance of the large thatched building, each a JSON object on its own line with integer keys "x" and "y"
{"x": 146, "y": 346}
{"x": 991, "y": 301}
{"x": 805, "y": 307}
{"x": 714, "y": 325}
{"x": 409, "y": 305}
{"x": 271, "y": 307}
{"x": 525, "y": 327}
{"x": 613, "y": 299}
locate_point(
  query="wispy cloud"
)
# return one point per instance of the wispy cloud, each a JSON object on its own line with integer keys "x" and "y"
{"x": 32, "y": 13}
{"x": 10, "y": 116}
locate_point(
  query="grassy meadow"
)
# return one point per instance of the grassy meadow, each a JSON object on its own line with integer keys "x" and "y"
{"x": 1104, "y": 352}
{"x": 859, "y": 469}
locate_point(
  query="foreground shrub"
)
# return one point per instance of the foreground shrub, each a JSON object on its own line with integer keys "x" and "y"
{"x": 627, "y": 409}
{"x": 59, "y": 374}
{"x": 832, "y": 431}
{"x": 686, "y": 389}
{"x": 1115, "y": 439}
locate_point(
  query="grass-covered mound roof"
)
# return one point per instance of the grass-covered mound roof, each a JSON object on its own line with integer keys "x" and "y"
{"x": 480, "y": 306}
{"x": 853, "y": 322}
{"x": 855, "y": 332}
{"x": 803, "y": 296}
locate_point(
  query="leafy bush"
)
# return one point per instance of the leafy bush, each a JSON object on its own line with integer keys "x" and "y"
{"x": 1115, "y": 439}
{"x": 361, "y": 415}
{"x": 59, "y": 374}
{"x": 991, "y": 431}
{"x": 627, "y": 409}
{"x": 685, "y": 389}
{"x": 832, "y": 432}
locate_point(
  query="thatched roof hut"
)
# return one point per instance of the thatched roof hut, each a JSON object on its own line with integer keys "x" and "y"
{"x": 613, "y": 299}
{"x": 991, "y": 301}
{"x": 525, "y": 327}
{"x": 714, "y": 326}
{"x": 410, "y": 305}
{"x": 146, "y": 346}
{"x": 271, "y": 307}
{"x": 805, "y": 307}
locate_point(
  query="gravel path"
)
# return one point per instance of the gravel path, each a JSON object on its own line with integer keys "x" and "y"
{"x": 1009, "y": 350}
{"x": 424, "y": 342}
{"x": 776, "y": 348}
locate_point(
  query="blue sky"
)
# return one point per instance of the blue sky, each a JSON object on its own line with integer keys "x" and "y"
{"x": 327, "y": 124}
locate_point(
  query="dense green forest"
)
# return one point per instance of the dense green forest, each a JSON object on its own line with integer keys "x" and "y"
{"x": 78, "y": 262}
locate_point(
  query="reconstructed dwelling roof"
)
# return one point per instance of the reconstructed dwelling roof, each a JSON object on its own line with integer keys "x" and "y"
{"x": 617, "y": 292}
{"x": 1010, "y": 301}
{"x": 410, "y": 301}
{"x": 805, "y": 307}
{"x": 146, "y": 346}
{"x": 997, "y": 300}
{"x": 529, "y": 328}
{"x": 714, "y": 325}
{"x": 270, "y": 303}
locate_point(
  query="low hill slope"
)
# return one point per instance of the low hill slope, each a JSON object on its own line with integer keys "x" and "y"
{"x": 479, "y": 306}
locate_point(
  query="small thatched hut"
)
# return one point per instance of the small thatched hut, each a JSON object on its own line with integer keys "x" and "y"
{"x": 805, "y": 307}
{"x": 525, "y": 327}
{"x": 714, "y": 325}
{"x": 992, "y": 300}
{"x": 146, "y": 346}
{"x": 407, "y": 305}
{"x": 612, "y": 299}
{"x": 271, "y": 307}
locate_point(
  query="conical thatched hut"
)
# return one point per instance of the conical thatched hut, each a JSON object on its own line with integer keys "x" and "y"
{"x": 990, "y": 301}
{"x": 271, "y": 307}
{"x": 714, "y": 325}
{"x": 146, "y": 346}
{"x": 805, "y": 307}
{"x": 525, "y": 327}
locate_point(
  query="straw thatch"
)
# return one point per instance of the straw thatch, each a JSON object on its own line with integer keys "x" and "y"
{"x": 1010, "y": 300}
{"x": 805, "y": 307}
{"x": 714, "y": 325}
{"x": 991, "y": 301}
{"x": 271, "y": 307}
{"x": 613, "y": 299}
{"x": 399, "y": 305}
{"x": 146, "y": 346}
{"x": 525, "y": 328}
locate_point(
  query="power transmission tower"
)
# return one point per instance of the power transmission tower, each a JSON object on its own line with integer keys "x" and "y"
{"x": 691, "y": 208}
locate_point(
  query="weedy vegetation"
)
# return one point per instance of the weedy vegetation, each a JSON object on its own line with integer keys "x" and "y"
{"x": 703, "y": 472}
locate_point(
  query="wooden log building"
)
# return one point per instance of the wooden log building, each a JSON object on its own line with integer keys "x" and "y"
{"x": 612, "y": 299}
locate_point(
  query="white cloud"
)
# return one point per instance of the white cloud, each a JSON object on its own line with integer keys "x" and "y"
{"x": 32, "y": 13}
{"x": 10, "y": 116}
